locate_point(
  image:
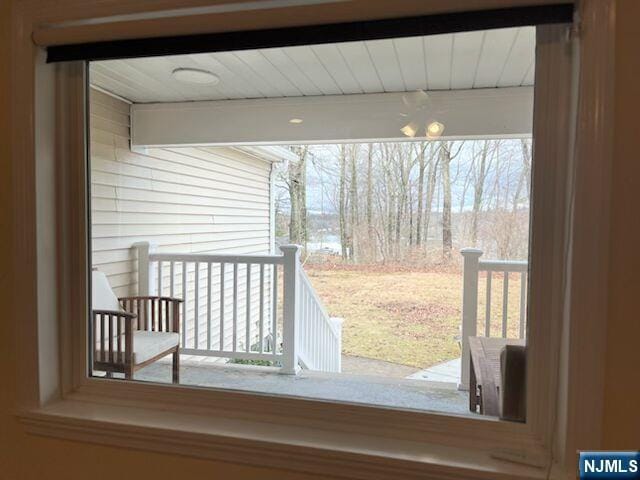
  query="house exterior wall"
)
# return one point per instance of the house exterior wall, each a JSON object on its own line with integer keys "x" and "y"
{"x": 183, "y": 200}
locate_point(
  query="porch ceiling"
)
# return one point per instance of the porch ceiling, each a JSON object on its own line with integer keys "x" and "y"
{"x": 470, "y": 60}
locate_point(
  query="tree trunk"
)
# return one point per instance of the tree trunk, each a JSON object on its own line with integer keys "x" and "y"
{"x": 432, "y": 174}
{"x": 353, "y": 199}
{"x": 478, "y": 192}
{"x": 369, "y": 206}
{"x": 410, "y": 204}
{"x": 445, "y": 160}
{"x": 421, "y": 167}
{"x": 297, "y": 184}
{"x": 390, "y": 211}
{"x": 344, "y": 241}
{"x": 524, "y": 178}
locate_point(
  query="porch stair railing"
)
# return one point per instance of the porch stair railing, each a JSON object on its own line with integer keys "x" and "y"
{"x": 504, "y": 270}
{"x": 245, "y": 307}
{"x": 320, "y": 334}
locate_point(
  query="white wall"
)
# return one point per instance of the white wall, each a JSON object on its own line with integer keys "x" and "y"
{"x": 185, "y": 200}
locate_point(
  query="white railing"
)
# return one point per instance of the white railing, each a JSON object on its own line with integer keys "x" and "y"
{"x": 470, "y": 297}
{"x": 321, "y": 346}
{"x": 245, "y": 307}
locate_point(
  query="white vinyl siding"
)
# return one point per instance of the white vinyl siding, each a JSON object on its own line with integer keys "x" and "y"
{"x": 183, "y": 200}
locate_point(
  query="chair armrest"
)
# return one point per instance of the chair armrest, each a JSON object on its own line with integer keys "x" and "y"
{"x": 115, "y": 313}
{"x": 151, "y": 297}
{"x": 113, "y": 336}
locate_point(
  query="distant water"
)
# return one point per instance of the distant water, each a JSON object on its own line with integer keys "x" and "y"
{"x": 330, "y": 242}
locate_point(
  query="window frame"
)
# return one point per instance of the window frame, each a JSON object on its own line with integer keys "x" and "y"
{"x": 45, "y": 409}
{"x": 516, "y": 439}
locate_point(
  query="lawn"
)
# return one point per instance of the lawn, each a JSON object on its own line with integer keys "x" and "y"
{"x": 407, "y": 317}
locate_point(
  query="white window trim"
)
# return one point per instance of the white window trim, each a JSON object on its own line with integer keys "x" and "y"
{"x": 230, "y": 425}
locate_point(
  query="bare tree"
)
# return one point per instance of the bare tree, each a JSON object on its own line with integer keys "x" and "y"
{"x": 481, "y": 163}
{"x": 524, "y": 179}
{"x": 369, "y": 205}
{"x": 385, "y": 198}
{"x": 294, "y": 178}
{"x": 353, "y": 199}
{"x": 432, "y": 174}
{"x": 342, "y": 209}
{"x": 421, "y": 167}
{"x": 446, "y": 156}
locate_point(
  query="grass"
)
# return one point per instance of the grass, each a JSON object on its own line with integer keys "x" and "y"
{"x": 406, "y": 317}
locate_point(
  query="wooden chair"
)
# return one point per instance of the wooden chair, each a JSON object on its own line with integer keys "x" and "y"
{"x": 130, "y": 333}
{"x": 497, "y": 385}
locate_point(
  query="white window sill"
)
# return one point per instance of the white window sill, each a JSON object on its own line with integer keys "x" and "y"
{"x": 266, "y": 444}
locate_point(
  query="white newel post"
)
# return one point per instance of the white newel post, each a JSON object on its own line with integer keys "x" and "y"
{"x": 147, "y": 281}
{"x": 471, "y": 258}
{"x": 291, "y": 279}
{"x": 337, "y": 322}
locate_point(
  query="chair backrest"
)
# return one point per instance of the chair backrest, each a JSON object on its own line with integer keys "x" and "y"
{"x": 102, "y": 296}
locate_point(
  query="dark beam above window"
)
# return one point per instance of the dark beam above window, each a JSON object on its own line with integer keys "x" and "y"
{"x": 315, "y": 34}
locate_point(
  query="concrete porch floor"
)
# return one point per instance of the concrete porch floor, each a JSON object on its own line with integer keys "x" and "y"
{"x": 443, "y": 372}
{"x": 344, "y": 387}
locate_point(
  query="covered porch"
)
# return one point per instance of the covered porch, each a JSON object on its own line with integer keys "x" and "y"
{"x": 255, "y": 323}
{"x": 183, "y": 200}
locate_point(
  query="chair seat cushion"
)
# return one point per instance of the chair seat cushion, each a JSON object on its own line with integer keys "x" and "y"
{"x": 147, "y": 345}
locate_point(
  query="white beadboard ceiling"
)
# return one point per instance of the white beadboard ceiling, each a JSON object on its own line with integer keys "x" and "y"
{"x": 482, "y": 59}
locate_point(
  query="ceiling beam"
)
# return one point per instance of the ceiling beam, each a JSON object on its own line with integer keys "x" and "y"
{"x": 480, "y": 113}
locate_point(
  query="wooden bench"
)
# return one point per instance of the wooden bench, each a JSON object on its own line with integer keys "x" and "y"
{"x": 485, "y": 379}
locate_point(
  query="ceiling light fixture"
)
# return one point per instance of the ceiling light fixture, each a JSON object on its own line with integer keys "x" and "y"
{"x": 296, "y": 121}
{"x": 195, "y": 76}
{"x": 434, "y": 129}
{"x": 410, "y": 129}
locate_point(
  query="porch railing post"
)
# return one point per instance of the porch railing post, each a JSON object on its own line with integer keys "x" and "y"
{"x": 146, "y": 273}
{"x": 291, "y": 279}
{"x": 471, "y": 258}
